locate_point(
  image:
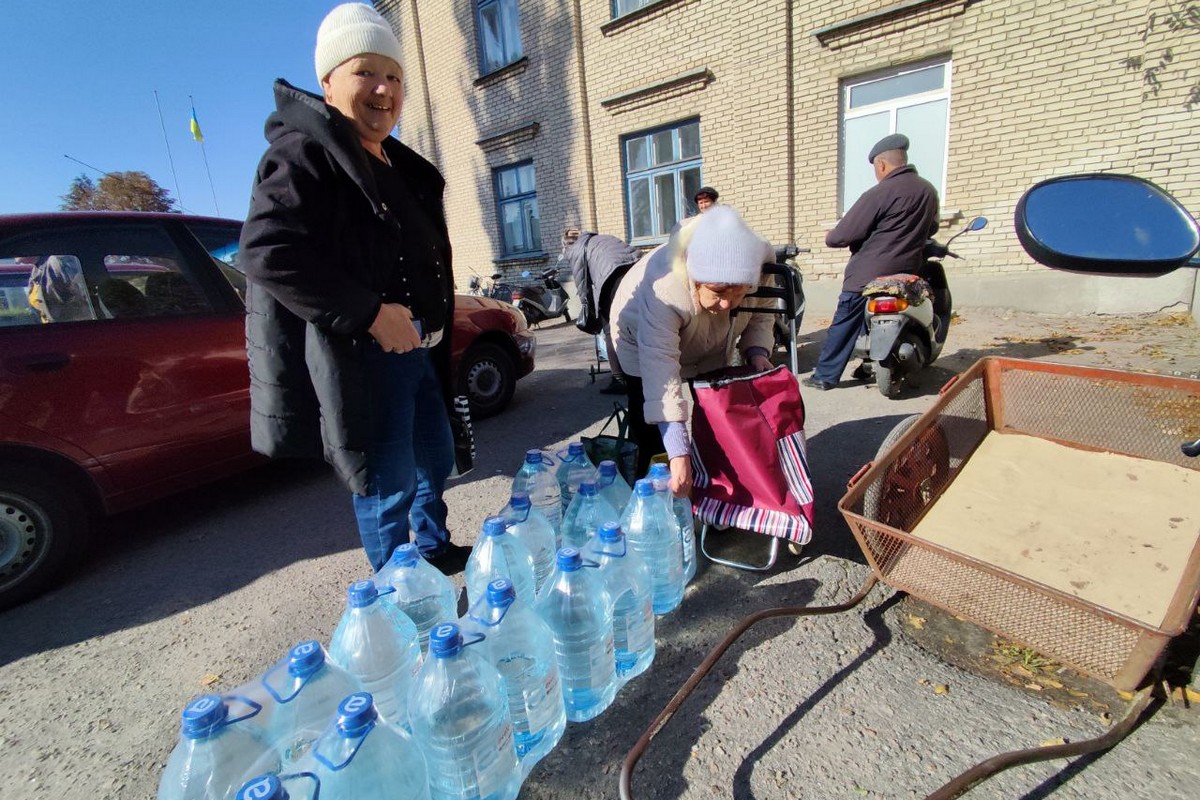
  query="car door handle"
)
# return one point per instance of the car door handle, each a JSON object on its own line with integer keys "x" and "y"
{"x": 37, "y": 362}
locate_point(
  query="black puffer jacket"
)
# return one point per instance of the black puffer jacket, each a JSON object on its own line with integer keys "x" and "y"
{"x": 318, "y": 247}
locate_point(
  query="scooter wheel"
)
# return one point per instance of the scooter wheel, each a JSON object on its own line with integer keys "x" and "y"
{"x": 888, "y": 380}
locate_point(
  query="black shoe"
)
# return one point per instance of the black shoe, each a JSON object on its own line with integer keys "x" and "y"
{"x": 824, "y": 386}
{"x": 451, "y": 559}
{"x": 863, "y": 372}
{"x": 615, "y": 386}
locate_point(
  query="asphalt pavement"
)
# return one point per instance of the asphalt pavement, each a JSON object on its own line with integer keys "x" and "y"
{"x": 203, "y": 592}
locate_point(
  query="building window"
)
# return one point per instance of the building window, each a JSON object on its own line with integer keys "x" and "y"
{"x": 662, "y": 174}
{"x": 499, "y": 34}
{"x": 622, "y": 7}
{"x": 517, "y": 209}
{"x": 912, "y": 100}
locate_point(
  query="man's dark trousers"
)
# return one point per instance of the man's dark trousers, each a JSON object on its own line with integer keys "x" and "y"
{"x": 848, "y": 322}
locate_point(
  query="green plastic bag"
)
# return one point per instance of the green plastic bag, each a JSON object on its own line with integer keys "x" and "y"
{"x": 620, "y": 448}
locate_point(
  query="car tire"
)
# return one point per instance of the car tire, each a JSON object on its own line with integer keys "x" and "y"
{"x": 43, "y": 531}
{"x": 488, "y": 377}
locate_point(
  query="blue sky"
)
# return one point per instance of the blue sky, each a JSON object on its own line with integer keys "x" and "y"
{"x": 80, "y": 77}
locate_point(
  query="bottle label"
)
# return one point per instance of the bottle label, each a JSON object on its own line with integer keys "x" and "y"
{"x": 641, "y": 628}
{"x": 493, "y": 765}
{"x": 603, "y": 661}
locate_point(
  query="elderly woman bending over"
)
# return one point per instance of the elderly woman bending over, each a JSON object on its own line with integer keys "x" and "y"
{"x": 673, "y": 322}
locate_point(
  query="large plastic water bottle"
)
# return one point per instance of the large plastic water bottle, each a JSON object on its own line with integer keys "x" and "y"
{"x": 307, "y": 687}
{"x": 612, "y": 485}
{"x": 627, "y": 578}
{"x": 521, "y": 647}
{"x": 499, "y": 554}
{"x": 587, "y": 513}
{"x": 574, "y": 468}
{"x": 423, "y": 593}
{"x": 377, "y": 643}
{"x": 359, "y": 759}
{"x": 214, "y": 752}
{"x": 533, "y": 530}
{"x": 681, "y": 511}
{"x": 579, "y": 611}
{"x": 270, "y": 786}
{"x": 460, "y": 720}
{"x": 651, "y": 530}
{"x": 536, "y": 480}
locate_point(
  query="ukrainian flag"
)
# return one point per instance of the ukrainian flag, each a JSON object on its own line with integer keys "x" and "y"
{"x": 195, "y": 125}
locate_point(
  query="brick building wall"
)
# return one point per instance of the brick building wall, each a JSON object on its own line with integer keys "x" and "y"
{"x": 1037, "y": 89}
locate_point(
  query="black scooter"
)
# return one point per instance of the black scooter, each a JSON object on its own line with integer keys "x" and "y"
{"x": 540, "y": 302}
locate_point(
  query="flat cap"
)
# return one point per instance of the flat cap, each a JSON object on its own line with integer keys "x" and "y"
{"x": 895, "y": 141}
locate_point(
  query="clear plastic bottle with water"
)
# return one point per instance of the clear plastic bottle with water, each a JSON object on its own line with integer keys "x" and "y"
{"x": 579, "y": 611}
{"x": 681, "y": 511}
{"x": 377, "y": 643}
{"x": 271, "y": 786}
{"x": 521, "y": 647}
{"x": 461, "y": 722}
{"x": 651, "y": 530}
{"x": 214, "y": 752}
{"x": 612, "y": 485}
{"x": 306, "y": 686}
{"x": 499, "y": 554}
{"x": 574, "y": 468}
{"x": 423, "y": 593}
{"x": 627, "y": 578}
{"x": 537, "y": 480}
{"x": 533, "y": 530}
{"x": 589, "y": 510}
{"x": 359, "y": 759}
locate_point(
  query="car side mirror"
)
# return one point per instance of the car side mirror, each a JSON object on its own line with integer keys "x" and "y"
{"x": 1105, "y": 224}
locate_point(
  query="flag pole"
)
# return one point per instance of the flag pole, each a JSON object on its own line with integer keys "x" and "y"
{"x": 170, "y": 159}
{"x": 204, "y": 152}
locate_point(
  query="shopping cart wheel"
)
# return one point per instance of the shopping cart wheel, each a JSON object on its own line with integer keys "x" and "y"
{"x": 913, "y": 478}
{"x": 795, "y": 548}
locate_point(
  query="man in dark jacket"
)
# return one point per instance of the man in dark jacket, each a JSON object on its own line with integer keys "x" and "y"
{"x": 885, "y": 229}
{"x": 598, "y": 261}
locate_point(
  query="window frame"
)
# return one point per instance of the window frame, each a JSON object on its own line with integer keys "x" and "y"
{"x": 893, "y": 106}
{"x": 617, "y": 13}
{"x": 649, "y": 173}
{"x": 485, "y": 66}
{"x": 520, "y": 198}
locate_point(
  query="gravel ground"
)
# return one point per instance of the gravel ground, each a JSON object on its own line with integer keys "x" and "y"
{"x": 204, "y": 591}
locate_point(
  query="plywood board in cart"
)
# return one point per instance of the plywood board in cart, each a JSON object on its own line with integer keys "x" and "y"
{"x": 1112, "y": 530}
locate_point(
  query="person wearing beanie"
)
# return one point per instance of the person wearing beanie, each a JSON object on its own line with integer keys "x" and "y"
{"x": 671, "y": 321}
{"x": 885, "y": 229}
{"x": 350, "y": 292}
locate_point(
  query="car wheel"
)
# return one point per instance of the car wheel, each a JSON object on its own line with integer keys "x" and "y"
{"x": 488, "y": 378}
{"x": 43, "y": 528}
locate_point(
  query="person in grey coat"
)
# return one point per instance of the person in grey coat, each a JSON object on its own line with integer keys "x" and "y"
{"x": 598, "y": 261}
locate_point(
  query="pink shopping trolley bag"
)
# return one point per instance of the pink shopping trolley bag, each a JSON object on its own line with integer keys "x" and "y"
{"x": 748, "y": 457}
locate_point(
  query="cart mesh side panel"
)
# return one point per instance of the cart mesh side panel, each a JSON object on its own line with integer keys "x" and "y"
{"x": 1138, "y": 415}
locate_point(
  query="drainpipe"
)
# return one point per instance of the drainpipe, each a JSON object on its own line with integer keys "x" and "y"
{"x": 436, "y": 155}
{"x": 586, "y": 115}
{"x": 789, "y": 42}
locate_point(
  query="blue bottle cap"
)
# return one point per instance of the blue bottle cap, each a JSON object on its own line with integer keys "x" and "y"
{"x": 658, "y": 470}
{"x": 355, "y": 714}
{"x": 644, "y": 488}
{"x": 608, "y": 468}
{"x": 305, "y": 659}
{"x": 500, "y": 593}
{"x": 264, "y": 787}
{"x": 362, "y": 593}
{"x": 405, "y": 555}
{"x": 569, "y": 559}
{"x": 445, "y": 640}
{"x": 203, "y": 717}
{"x": 588, "y": 488}
{"x": 520, "y": 500}
{"x": 533, "y": 456}
{"x": 609, "y": 532}
{"x": 574, "y": 449}
{"x": 494, "y": 526}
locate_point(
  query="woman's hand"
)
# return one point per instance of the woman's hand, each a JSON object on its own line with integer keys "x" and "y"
{"x": 681, "y": 476}
{"x": 394, "y": 330}
{"x": 761, "y": 363}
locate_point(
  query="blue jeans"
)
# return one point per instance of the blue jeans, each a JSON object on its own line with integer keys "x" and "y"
{"x": 409, "y": 458}
{"x": 848, "y": 322}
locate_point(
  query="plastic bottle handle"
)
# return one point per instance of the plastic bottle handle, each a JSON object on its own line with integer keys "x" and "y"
{"x": 256, "y": 706}
{"x": 358, "y": 742}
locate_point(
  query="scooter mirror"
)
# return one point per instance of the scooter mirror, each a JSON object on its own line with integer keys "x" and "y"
{"x": 1106, "y": 224}
{"x": 977, "y": 224}
{"x": 526, "y": 274}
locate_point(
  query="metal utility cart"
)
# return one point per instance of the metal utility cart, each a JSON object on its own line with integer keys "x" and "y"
{"x": 1144, "y": 416}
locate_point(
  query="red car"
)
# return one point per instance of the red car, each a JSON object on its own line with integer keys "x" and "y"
{"x": 123, "y": 373}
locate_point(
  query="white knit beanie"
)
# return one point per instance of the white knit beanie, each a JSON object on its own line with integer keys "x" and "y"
{"x": 350, "y": 30}
{"x": 724, "y": 250}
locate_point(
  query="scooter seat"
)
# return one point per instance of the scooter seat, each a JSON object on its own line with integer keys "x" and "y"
{"x": 912, "y": 288}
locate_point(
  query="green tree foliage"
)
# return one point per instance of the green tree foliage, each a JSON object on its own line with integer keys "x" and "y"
{"x": 117, "y": 191}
